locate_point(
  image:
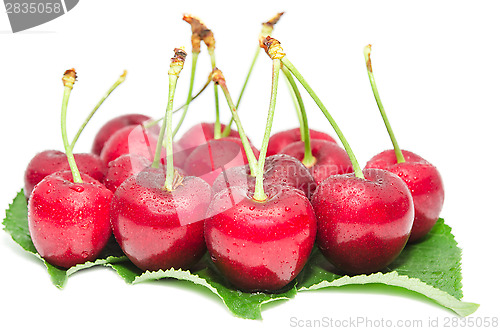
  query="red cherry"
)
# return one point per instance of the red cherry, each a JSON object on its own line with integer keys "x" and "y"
{"x": 260, "y": 245}
{"x": 331, "y": 159}
{"x": 280, "y": 140}
{"x": 135, "y": 139}
{"x": 279, "y": 169}
{"x": 199, "y": 134}
{"x": 132, "y": 139}
{"x": 122, "y": 168}
{"x": 424, "y": 182}
{"x": 363, "y": 224}
{"x": 158, "y": 229}
{"x": 50, "y": 161}
{"x": 113, "y": 125}
{"x": 69, "y": 222}
{"x": 207, "y": 160}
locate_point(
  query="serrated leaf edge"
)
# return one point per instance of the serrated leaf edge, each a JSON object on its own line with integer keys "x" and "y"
{"x": 187, "y": 275}
{"x": 102, "y": 262}
{"x": 413, "y": 284}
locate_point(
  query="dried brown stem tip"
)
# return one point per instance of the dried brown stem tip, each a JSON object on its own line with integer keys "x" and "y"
{"x": 367, "y": 51}
{"x": 267, "y": 27}
{"x": 177, "y": 62}
{"x": 272, "y": 48}
{"x": 218, "y": 77}
{"x": 69, "y": 78}
{"x": 274, "y": 20}
{"x": 199, "y": 32}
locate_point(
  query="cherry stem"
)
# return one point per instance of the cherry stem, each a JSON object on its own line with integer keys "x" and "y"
{"x": 149, "y": 124}
{"x": 309, "y": 160}
{"x": 296, "y": 106}
{"x": 173, "y": 74}
{"x": 69, "y": 80}
{"x": 219, "y": 79}
{"x": 399, "y": 155}
{"x": 260, "y": 194}
{"x": 217, "y": 126}
{"x": 267, "y": 29}
{"x": 227, "y": 129}
{"x": 189, "y": 98}
{"x": 357, "y": 169}
{"x": 120, "y": 80}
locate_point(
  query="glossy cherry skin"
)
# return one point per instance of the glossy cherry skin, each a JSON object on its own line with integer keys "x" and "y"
{"x": 114, "y": 125}
{"x": 199, "y": 134}
{"x": 279, "y": 169}
{"x": 260, "y": 245}
{"x": 158, "y": 229}
{"x": 363, "y": 224}
{"x": 132, "y": 139}
{"x": 69, "y": 222}
{"x": 207, "y": 161}
{"x": 50, "y": 161}
{"x": 125, "y": 166}
{"x": 331, "y": 159}
{"x": 424, "y": 182}
{"x": 135, "y": 139}
{"x": 280, "y": 140}
{"x": 122, "y": 168}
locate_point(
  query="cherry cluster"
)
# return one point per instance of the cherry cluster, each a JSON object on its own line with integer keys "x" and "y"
{"x": 258, "y": 213}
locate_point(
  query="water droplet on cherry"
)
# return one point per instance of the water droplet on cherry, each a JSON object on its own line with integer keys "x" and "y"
{"x": 78, "y": 188}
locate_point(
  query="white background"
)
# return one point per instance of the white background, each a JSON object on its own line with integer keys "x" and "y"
{"x": 436, "y": 65}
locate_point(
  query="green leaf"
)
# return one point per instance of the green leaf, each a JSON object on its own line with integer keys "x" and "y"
{"x": 16, "y": 224}
{"x": 245, "y": 305}
{"x": 436, "y": 260}
{"x": 430, "y": 267}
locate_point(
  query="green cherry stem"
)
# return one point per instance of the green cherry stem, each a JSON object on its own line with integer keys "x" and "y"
{"x": 69, "y": 80}
{"x": 357, "y": 169}
{"x": 309, "y": 160}
{"x": 219, "y": 79}
{"x": 217, "y": 126}
{"x": 176, "y": 66}
{"x": 399, "y": 155}
{"x": 284, "y": 60}
{"x": 267, "y": 29}
{"x": 296, "y": 106}
{"x": 149, "y": 124}
{"x": 189, "y": 98}
{"x": 227, "y": 129}
{"x": 247, "y": 79}
{"x": 259, "y": 194}
{"x": 120, "y": 80}
{"x": 197, "y": 94}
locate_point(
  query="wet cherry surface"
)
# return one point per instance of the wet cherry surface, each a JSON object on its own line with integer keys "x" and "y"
{"x": 69, "y": 222}
{"x": 424, "y": 182}
{"x": 260, "y": 245}
{"x": 278, "y": 169}
{"x": 281, "y": 139}
{"x": 50, "y": 161}
{"x": 208, "y": 161}
{"x": 363, "y": 224}
{"x": 331, "y": 159}
{"x": 199, "y": 134}
{"x": 122, "y": 168}
{"x": 113, "y": 125}
{"x": 156, "y": 228}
